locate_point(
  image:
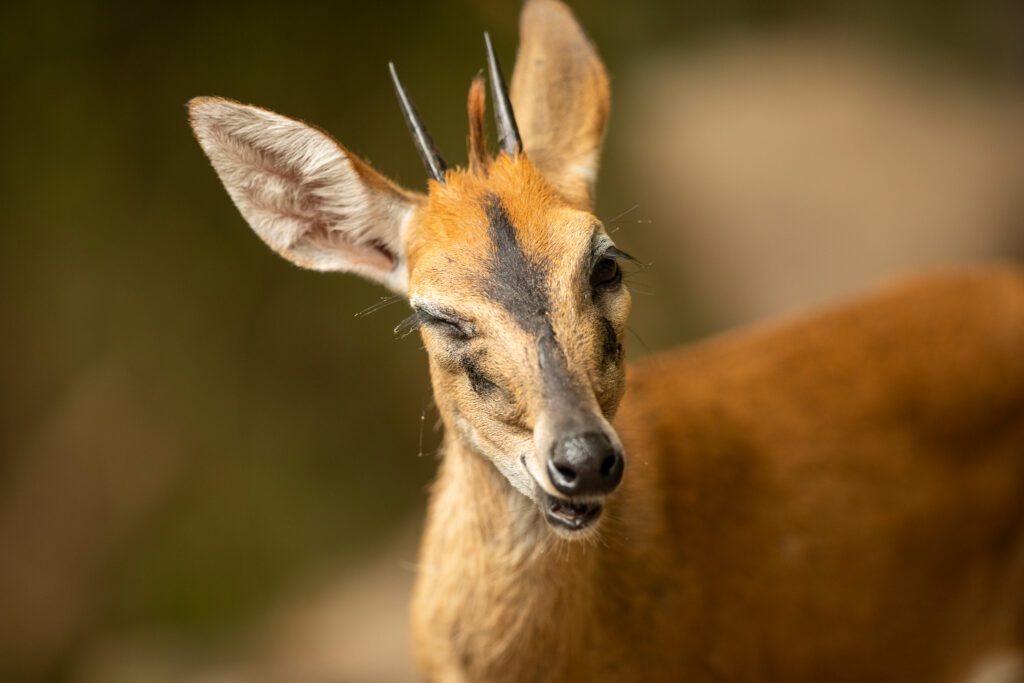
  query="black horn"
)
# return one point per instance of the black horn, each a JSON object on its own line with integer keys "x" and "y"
{"x": 508, "y": 131}
{"x": 432, "y": 159}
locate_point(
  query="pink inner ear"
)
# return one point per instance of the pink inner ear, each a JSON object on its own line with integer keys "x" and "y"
{"x": 375, "y": 255}
{"x": 372, "y": 254}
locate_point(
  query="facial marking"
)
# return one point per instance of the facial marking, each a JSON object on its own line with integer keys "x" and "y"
{"x": 519, "y": 285}
{"x": 516, "y": 282}
{"x": 478, "y": 381}
{"x": 611, "y": 348}
{"x": 557, "y": 385}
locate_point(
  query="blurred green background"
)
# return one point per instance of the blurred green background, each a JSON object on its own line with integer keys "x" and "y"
{"x": 192, "y": 430}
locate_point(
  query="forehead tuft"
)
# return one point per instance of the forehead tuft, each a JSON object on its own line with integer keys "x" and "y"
{"x": 455, "y": 228}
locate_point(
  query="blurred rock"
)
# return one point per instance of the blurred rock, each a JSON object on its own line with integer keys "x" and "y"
{"x": 343, "y": 627}
{"x": 783, "y": 170}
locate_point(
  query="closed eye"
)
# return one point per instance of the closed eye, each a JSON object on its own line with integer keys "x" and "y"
{"x": 456, "y": 328}
{"x": 438, "y": 319}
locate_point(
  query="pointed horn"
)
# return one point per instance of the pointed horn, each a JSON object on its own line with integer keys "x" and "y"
{"x": 432, "y": 159}
{"x": 508, "y": 131}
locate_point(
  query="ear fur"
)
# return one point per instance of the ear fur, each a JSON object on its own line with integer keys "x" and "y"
{"x": 306, "y": 196}
{"x": 561, "y": 98}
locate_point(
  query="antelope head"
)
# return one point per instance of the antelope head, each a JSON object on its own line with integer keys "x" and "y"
{"x": 514, "y": 284}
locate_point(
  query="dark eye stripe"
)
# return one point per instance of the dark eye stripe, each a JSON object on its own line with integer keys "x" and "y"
{"x": 611, "y": 347}
{"x": 478, "y": 381}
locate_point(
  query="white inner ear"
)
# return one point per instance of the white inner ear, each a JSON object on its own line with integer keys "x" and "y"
{"x": 304, "y": 194}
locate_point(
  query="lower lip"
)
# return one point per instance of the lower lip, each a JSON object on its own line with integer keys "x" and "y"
{"x": 568, "y": 515}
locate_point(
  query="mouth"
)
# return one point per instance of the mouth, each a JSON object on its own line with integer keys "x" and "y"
{"x": 569, "y": 515}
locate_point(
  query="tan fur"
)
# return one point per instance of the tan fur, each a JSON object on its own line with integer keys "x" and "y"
{"x": 448, "y": 250}
{"x": 839, "y": 498}
{"x": 836, "y": 498}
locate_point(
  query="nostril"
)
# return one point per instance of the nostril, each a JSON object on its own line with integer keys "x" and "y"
{"x": 563, "y": 475}
{"x": 585, "y": 464}
{"x": 608, "y": 464}
{"x": 568, "y": 474}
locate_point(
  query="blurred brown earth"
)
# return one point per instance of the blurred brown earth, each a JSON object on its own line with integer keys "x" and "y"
{"x": 773, "y": 172}
{"x": 204, "y": 454}
{"x": 787, "y": 170}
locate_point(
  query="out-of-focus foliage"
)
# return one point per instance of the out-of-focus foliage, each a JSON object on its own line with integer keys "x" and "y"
{"x": 187, "y": 422}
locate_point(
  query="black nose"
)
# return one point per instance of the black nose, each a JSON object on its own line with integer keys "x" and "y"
{"x": 585, "y": 465}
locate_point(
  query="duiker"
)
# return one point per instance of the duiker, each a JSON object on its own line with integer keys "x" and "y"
{"x": 837, "y": 498}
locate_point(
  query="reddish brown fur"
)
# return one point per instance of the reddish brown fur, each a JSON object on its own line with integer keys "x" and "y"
{"x": 449, "y": 254}
{"x": 838, "y": 498}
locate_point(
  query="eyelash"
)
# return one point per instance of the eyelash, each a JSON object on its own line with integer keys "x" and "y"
{"x": 615, "y": 256}
{"x": 456, "y": 329}
{"x": 603, "y": 281}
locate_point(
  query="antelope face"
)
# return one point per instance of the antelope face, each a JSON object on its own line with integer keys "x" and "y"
{"x": 522, "y": 308}
{"x": 514, "y": 283}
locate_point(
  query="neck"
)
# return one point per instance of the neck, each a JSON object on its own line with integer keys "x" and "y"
{"x": 495, "y": 584}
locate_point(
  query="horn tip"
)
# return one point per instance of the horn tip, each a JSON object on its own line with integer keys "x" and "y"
{"x": 508, "y": 131}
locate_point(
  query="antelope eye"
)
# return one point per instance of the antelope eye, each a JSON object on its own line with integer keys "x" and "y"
{"x": 447, "y": 327}
{"x": 606, "y": 274}
{"x": 455, "y": 329}
{"x": 442, "y": 321}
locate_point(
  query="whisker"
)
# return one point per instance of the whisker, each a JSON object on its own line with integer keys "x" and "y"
{"x": 632, "y": 281}
{"x": 624, "y": 213}
{"x": 384, "y": 302}
{"x": 618, "y": 226}
{"x": 423, "y": 422}
{"x": 639, "y": 338}
{"x": 409, "y": 325}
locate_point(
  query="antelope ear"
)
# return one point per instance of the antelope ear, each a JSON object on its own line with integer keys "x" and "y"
{"x": 310, "y": 199}
{"x": 561, "y": 98}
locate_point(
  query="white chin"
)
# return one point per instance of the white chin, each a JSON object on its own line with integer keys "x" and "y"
{"x": 520, "y": 478}
{"x": 514, "y": 470}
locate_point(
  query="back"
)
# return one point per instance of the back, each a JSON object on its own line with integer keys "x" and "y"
{"x": 847, "y": 486}
{"x": 940, "y": 354}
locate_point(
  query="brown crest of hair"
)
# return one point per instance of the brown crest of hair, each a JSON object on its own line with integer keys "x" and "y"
{"x": 476, "y": 105}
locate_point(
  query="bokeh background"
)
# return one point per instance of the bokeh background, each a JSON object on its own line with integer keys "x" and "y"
{"x": 212, "y": 468}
